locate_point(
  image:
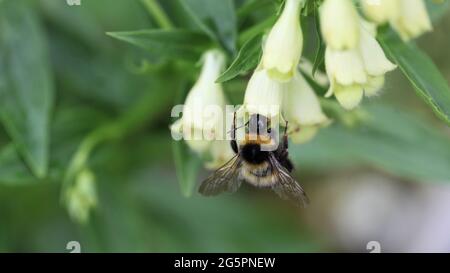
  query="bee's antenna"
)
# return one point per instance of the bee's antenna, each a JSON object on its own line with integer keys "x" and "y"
{"x": 238, "y": 128}
{"x": 234, "y": 129}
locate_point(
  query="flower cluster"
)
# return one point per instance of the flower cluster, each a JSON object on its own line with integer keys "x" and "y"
{"x": 408, "y": 17}
{"x": 354, "y": 61}
{"x": 277, "y": 89}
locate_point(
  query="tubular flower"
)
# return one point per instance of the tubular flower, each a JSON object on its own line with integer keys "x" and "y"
{"x": 356, "y": 72}
{"x": 381, "y": 11}
{"x": 413, "y": 19}
{"x": 284, "y": 44}
{"x": 263, "y": 96}
{"x": 302, "y": 109}
{"x": 339, "y": 21}
{"x": 202, "y": 119}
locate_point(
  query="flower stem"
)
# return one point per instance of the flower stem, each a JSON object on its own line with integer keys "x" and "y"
{"x": 158, "y": 13}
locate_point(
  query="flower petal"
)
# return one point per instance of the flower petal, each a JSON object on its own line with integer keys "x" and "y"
{"x": 339, "y": 24}
{"x": 263, "y": 96}
{"x": 375, "y": 61}
{"x": 345, "y": 67}
{"x": 349, "y": 96}
{"x": 301, "y": 105}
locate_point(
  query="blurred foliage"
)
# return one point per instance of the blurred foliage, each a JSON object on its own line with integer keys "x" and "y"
{"x": 72, "y": 97}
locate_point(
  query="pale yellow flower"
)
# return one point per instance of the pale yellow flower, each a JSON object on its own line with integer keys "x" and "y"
{"x": 356, "y": 72}
{"x": 339, "y": 21}
{"x": 284, "y": 44}
{"x": 302, "y": 109}
{"x": 203, "y": 109}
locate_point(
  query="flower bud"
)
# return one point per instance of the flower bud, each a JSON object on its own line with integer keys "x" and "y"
{"x": 413, "y": 19}
{"x": 82, "y": 196}
{"x": 284, "y": 44}
{"x": 302, "y": 109}
{"x": 339, "y": 24}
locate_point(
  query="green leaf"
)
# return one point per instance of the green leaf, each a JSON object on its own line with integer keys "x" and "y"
{"x": 257, "y": 29}
{"x": 172, "y": 44}
{"x": 246, "y": 60}
{"x": 187, "y": 166}
{"x": 216, "y": 18}
{"x": 391, "y": 139}
{"x": 12, "y": 169}
{"x": 26, "y": 84}
{"x": 251, "y": 6}
{"x": 420, "y": 70}
{"x": 320, "y": 51}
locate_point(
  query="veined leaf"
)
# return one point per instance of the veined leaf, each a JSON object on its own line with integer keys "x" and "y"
{"x": 12, "y": 169}
{"x": 257, "y": 29}
{"x": 247, "y": 59}
{"x": 217, "y": 18}
{"x": 26, "y": 84}
{"x": 420, "y": 70}
{"x": 166, "y": 43}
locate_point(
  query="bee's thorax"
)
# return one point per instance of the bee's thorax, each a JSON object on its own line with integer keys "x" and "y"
{"x": 252, "y": 154}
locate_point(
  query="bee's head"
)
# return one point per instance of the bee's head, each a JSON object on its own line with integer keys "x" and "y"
{"x": 259, "y": 125}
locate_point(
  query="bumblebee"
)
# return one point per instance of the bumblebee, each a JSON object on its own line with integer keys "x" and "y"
{"x": 263, "y": 168}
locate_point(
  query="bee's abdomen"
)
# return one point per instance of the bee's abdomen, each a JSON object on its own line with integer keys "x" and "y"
{"x": 258, "y": 175}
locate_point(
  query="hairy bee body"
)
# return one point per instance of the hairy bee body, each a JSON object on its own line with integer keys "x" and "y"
{"x": 256, "y": 168}
{"x": 267, "y": 167}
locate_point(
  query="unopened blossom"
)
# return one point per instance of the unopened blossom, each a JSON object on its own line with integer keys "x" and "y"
{"x": 356, "y": 72}
{"x": 413, "y": 19}
{"x": 82, "y": 196}
{"x": 202, "y": 118}
{"x": 339, "y": 21}
{"x": 263, "y": 95}
{"x": 381, "y": 11}
{"x": 284, "y": 44}
{"x": 302, "y": 109}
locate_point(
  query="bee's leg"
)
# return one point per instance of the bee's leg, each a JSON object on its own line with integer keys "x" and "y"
{"x": 233, "y": 142}
{"x": 282, "y": 151}
{"x": 285, "y": 136}
{"x": 288, "y": 164}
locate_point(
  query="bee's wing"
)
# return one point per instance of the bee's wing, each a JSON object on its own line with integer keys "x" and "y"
{"x": 225, "y": 179}
{"x": 287, "y": 187}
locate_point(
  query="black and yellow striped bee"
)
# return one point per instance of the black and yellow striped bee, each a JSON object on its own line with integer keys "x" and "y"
{"x": 256, "y": 166}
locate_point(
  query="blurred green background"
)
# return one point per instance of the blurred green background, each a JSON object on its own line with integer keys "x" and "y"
{"x": 381, "y": 173}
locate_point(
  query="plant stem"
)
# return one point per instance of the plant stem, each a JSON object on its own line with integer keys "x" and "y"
{"x": 158, "y": 13}
{"x": 140, "y": 114}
